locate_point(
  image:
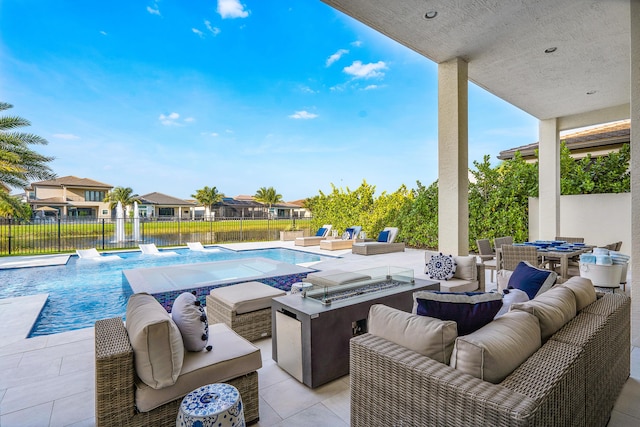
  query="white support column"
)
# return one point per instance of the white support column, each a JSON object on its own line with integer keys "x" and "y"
{"x": 635, "y": 172}
{"x": 549, "y": 179}
{"x": 453, "y": 158}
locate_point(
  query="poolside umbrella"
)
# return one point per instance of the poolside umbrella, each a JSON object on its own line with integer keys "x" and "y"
{"x": 136, "y": 222}
{"x": 119, "y": 223}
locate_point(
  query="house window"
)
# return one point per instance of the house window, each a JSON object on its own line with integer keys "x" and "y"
{"x": 165, "y": 211}
{"x": 94, "y": 196}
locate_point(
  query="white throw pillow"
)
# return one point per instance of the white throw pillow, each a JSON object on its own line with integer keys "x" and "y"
{"x": 430, "y": 337}
{"x": 191, "y": 319}
{"x": 509, "y": 297}
{"x": 157, "y": 344}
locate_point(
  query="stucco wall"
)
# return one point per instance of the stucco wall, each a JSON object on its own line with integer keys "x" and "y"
{"x": 599, "y": 218}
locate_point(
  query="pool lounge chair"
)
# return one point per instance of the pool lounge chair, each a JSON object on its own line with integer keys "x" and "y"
{"x": 323, "y": 233}
{"x": 93, "y": 255}
{"x": 151, "y": 249}
{"x": 380, "y": 247}
{"x": 197, "y": 247}
{"x": 345, "y": 243}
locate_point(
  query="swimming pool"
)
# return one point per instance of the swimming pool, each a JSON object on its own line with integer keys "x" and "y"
{"x": 82, "y": 292}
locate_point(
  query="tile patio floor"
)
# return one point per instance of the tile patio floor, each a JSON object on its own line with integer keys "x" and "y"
{"x": 49, "y": 380}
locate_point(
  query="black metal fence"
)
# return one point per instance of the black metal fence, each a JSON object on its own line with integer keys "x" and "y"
{"x": 67, "y": 235}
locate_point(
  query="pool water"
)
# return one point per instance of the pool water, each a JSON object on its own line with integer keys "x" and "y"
{"x": 83, "y": 291}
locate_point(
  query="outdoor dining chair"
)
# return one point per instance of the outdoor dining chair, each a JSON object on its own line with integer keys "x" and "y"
{"x": 512, "y": 255}
{"x": 487, "y": 255}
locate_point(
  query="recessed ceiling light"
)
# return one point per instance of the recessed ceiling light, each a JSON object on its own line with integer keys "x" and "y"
{"x": 431, "y": 14}
{"x": 591, "y": 92}
{"x": 550, "y": 49}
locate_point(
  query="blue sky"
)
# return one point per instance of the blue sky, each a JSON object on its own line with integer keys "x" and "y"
{"x": 171, "y": 96}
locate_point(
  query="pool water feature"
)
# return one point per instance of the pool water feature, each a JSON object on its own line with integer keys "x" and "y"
{"x": 83, "y": 291}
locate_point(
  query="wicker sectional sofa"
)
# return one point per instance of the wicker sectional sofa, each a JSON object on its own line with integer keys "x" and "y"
{"x": 573, "y": 379}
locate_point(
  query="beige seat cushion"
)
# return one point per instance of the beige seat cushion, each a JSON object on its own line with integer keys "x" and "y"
{"x": 582, "y": 289}
{"x": 494, "y": 351}
{"x": 232, "y": 356}
{"x": 428, "y": 336}
{"x": 247, "y": 297}
{"x": 553, "y": 309}
{"x": 335, "y": 277}
{"x": 458, "y": 285}
{"x": 156, "y": 341}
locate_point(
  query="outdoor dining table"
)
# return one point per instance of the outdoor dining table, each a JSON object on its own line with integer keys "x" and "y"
{"x": 554, "y": 257}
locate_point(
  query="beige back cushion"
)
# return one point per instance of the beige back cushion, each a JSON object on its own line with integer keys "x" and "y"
{"x": 553, "y": 309}
{"x": 156, "y": 341}
{"x": 582, "y": 289}
{"x": 430, "y": 337}
{"x": 466, "y": 268}
{"x": 494, "y": 351}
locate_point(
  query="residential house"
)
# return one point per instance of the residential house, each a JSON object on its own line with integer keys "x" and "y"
{"x": 69, "y": 196}
{"x": 161, "y": 206}
{"x": 596, "y": 140}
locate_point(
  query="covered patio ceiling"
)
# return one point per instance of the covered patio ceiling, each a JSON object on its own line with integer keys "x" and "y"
{"x": 504, "y": 44}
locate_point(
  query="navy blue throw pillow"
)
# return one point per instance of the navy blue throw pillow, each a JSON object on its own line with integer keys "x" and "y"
{"x": 349, "y": 233}
{"x": 530, "y": 279}
{"x": 470, "y": 310}
{"x": 321, "y": 232}
{"x": 383, "y": 236}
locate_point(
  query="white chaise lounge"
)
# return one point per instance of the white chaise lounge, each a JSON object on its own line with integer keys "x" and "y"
{"x": 93, "y": 255}
{"x": 151, "y": 249}
{"x": 197, "y": 247}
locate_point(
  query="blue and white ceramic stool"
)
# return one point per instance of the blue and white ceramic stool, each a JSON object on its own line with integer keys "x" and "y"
{"x": 218, "y": 405}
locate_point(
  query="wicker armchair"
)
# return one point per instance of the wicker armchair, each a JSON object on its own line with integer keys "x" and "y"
{"x": 115, "y": 379}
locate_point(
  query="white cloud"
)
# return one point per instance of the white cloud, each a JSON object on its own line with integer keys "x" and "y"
{"x": 104, "y": 33}
{"x": 153, "y": 11}
{"x": 213, "y": 30}
{"x": 306, "y": 89}
{"x": 68, "y": 136}
{"x": 371, "y": 87}
{"x": 356, "y": 43}
{"x": 231, "y": 9}
{"x": 169, "y": 120}
{"x": 189, "y": 120}
{"x": 198, "y": 32}
{"x": 365, "y": 71}
{"x": 333, "y": 58}
{"x": 305, "y": 115}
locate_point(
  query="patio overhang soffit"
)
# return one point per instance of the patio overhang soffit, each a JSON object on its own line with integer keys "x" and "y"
{"x": 550, "y": 58}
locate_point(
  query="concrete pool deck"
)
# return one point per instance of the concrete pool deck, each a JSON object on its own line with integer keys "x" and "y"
{"x": 49, "y": 380}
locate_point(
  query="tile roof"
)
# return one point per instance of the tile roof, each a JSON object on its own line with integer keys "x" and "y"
{"x": 163, "y": 199}
{"x": 72, "y": 181}
{"x": 598, "y": 136}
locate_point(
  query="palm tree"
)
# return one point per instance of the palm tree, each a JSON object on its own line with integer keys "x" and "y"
{"x": 268, "y": 196}
{"x": 123, "y": 195}
{"x": 208, "y": 197}
{"x": 18, "y": 163}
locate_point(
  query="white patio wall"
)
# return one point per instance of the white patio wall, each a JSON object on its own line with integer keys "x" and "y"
{"x": 599, "y": 218}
